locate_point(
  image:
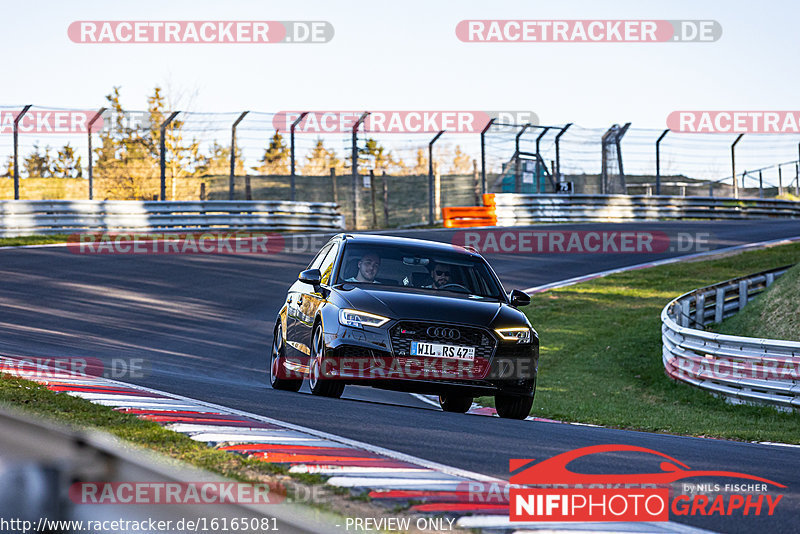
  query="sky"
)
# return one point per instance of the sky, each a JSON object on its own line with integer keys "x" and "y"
{"x": 405, "y": 55}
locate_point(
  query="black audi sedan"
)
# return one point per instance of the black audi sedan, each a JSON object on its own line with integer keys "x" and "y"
{"x": 407, "y": 315}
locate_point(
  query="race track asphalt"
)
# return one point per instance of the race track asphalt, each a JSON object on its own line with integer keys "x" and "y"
{"x": 202, "y": 326}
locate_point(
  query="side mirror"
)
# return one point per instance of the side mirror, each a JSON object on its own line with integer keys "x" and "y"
{"x": 311, "y": 277}
{"x": 518, "y": 298}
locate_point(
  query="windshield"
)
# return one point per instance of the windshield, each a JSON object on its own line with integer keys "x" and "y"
{"x": 417, "y": 267}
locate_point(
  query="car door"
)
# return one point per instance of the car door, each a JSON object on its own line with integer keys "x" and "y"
{"x": 296, "y": 309}
{"x": 312, "y": 299}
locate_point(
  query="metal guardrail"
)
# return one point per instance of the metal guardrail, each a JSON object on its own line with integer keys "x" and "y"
{"x": 40, "y": 461}
{"x": 513, "y": 209}
{"x": 743, "y": 369}
{"x": 39, "y": 217}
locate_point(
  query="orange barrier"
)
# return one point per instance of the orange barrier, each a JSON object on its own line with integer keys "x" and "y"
{"x": 467, "y": 216}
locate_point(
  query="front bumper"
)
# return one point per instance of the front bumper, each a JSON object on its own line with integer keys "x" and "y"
{"x": 374, "y": 357}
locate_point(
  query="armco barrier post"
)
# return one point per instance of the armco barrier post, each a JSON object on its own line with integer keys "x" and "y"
{"x": 291, "y": 152}
{"x": 431, "y": 192}
{"x": 797, "y": 180}
{"x": 780, "y": 181}
{"x": 163, "y": 154}
{"x": 760, "y": 185}
{"x": 89, "y": 134}
{"x": 16, "y": 162}
{"x": 658, "y": 160}
{"x": 231, "y": 181}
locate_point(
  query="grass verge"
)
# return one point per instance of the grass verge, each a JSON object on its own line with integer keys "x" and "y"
{"x": 33, "y": 240}
{"x": 601, "y": 354}
{"x": 77, "y": 413}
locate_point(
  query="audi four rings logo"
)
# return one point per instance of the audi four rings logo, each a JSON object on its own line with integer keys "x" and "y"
{"x": 446, "y": 333}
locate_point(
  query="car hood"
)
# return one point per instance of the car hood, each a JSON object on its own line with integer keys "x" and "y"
{"x": 424, "y": 306}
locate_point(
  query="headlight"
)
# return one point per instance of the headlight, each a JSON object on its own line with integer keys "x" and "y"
{"x": 359, "y": 319}
{"x": 520, "y": 334}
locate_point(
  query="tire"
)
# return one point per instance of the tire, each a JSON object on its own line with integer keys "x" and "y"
{"x": 455, "y": 403}
{"x": 319, "y": 384}
{"x": 513, "y": 407}
{"x": 276, "y": 359}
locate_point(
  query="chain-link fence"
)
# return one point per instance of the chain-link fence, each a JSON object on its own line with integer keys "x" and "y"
{"x": 159, "y": 154}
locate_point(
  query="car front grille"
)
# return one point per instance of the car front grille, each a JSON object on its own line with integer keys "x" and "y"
{"x": 404, "y": 332}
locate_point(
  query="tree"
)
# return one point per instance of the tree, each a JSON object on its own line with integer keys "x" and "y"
{"x": 9, "y": 168}
{"x": 321, "y": 160}
{"x": 421, "y": 164}
{"x": 218, "y": 161}
{"x": 377, "y": 158}
{"x": 182, "y": 159}
{"x": 125, "y": 157}
{"x": 38, "y": 164}
{"x": 276, "y": 157}
{"x": 66, "y": 164}
{"x": 462, "y": 164}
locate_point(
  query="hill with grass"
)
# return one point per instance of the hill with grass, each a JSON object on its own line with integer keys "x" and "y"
{"x": 774, "y": 314}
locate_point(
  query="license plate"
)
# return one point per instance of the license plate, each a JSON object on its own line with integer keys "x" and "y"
{"x": 437, "y": 350}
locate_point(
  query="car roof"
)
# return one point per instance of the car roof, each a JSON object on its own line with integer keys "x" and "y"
{"x": 433, "y": 246}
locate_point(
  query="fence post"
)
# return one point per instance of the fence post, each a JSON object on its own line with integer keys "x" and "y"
{"x": 517, "y": 163}
{"x": 231, "y": 181}
{"x": 333, "y": 185}
{"x": 780, "y": 181}
{"x": 658, "y": 160}
{"x": 355, "y": 168}
{"x": 89, "y": 134}
{"x": 385, "y": 202}
{"x": 483, "y": 155}
{"x": 16, "y": 162}
{"x": 476, "y": 183}
{"x": 291, "y": 152}
{"x": 558, "y": 151}
{"x": 372, "y": 197}
{"x": 760, "y": 185}
{"x": 733, "y": 167}
{"x": 539, "y": 157}
{"x": 248, "y": 192}
{"x": 437, "y": 189}
{"x": 162, "y": 144}
{"x": 431, "y": 191}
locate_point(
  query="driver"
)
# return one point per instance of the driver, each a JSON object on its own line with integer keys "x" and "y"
{"x": 368, "y": 267}
{"x": 440, "y": 274}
